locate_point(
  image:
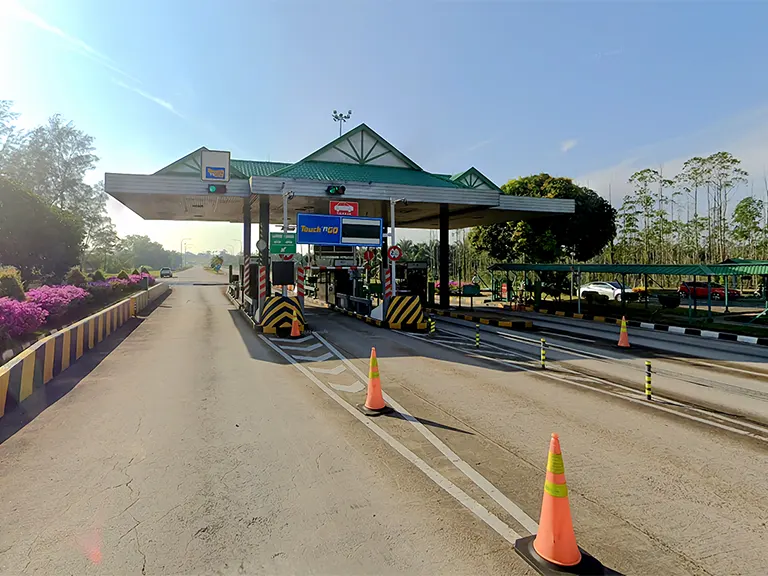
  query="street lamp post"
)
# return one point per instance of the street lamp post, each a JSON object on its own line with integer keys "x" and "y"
{"x": 340, "y": 117}
{"x": 181, "y": 247}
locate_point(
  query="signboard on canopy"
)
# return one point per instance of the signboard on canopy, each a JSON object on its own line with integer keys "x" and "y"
{"x": 330, "y": 230}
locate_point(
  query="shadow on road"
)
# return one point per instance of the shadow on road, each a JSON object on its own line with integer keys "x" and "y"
{"x": 64, "y": 383}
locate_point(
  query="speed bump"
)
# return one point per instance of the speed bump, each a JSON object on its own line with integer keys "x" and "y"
{"x": 278, "y": 313}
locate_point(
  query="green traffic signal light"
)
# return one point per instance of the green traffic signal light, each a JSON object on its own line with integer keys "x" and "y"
{"x": 217, "y": 189}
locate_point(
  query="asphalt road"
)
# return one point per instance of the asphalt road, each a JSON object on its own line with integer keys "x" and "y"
{"x": 197, "y": 446}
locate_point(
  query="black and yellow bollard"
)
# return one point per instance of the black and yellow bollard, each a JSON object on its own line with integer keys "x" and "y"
{"x": 477, "y": 335}
{"x": 648, "y": 380}
{"x": 543, "y": 354}
{"x": 432, "y": 326}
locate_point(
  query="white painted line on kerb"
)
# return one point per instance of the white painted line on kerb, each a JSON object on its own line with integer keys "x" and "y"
{"x": 567, "y": 336}
{"x": 462, "y": 497}
{"x": 478, "y": 479}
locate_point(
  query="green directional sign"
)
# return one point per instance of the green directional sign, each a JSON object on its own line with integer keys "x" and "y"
{"x": 282, "y": 243}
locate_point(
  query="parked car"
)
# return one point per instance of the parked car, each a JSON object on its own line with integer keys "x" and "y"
{"x": 610, "y": 289}
{"x": 699, "y": 291}
{"x": 166, "y": 273}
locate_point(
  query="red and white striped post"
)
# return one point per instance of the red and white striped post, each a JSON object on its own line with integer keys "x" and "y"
{"x": 262, "y": 289}
{"x": 387, "y": 289}
{"x": 300, "y": 286}
{"x": 246, "y": 276}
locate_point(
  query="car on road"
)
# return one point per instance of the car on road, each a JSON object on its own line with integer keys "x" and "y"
{"x": 610, "y": 289}
{"x": 698, "y": 290}
{"x": 166, "y": 273}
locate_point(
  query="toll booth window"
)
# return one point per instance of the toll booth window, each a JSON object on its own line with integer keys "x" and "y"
{"x": 360, "y": 231}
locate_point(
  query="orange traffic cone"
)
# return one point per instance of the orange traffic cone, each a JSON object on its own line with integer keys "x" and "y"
{"x": 553, "y": 550}
{"x": 295, "y": 328}
{"x": 374, "y": 401}
{"x": 623, "y": 336}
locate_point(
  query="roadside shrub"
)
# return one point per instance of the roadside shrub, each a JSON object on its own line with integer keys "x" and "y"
{"x": 98, "y": 276}
{"x": 144, "y": 270}
{"x": 123, "y": 275}
{"x": 10, "y": 283}
{"x": 19, "y": 318}
{"x": 101, "y": 291}
{"x": 75, "y": 277}
{"x": 135, "y": 272}
{"x": 56, "y": 300}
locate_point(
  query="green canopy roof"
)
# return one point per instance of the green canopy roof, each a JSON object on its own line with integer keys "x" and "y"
{"x": 660, "y": 269}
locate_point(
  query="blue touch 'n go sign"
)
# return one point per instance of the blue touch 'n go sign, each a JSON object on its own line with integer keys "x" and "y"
{"x": 318, "y": 229}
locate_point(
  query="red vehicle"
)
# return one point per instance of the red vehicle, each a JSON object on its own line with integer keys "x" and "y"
{"x": 698, "y": 290}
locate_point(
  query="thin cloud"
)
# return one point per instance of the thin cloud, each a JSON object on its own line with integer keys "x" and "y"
{"x": 568, "y": 145}
{"x": 609, "y": 53}
{"x": 159, "y": 101}
{"x": 479, "y": 145}
{"x": 83, "y": 48}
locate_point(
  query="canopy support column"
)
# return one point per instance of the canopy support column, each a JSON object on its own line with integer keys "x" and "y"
{"x": 246, "y": 288}
{"x": 445, "y": 283}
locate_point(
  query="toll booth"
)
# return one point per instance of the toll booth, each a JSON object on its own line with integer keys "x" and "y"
{"x": 412, "y": 279}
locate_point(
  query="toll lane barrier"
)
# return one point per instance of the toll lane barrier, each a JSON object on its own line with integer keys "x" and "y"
{"x": 278, "y": 314}
{"x": 515, "y": 324}
{"x": 406, "y": 313}
{"x": 48, "y": 357}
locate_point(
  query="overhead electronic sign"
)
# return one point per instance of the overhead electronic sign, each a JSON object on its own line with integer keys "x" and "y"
{"x": 331, "y": 230}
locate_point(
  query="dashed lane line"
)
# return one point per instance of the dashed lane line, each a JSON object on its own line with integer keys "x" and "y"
{"x": 493, "y": 521}
{"x": 634, "y": 397}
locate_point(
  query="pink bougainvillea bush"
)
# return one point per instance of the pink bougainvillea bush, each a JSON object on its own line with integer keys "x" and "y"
{"x": 19, "y": 318}
{"x": 22, "y": 318}
{"x": 56, "y": 300}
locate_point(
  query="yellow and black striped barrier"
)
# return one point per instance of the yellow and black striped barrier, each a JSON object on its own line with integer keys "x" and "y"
{"x": 406, "y": 313}
{"x": 278, "y": 314}
{"x": 48, "y": 357}
{"x": 516, "y": 324}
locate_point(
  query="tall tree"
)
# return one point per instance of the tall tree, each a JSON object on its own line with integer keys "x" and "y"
{"x": 747, "y": 231}
{"x": 42, "y": 241}
{"x": 586, "y": 232}
{"x": 724, "y": 175}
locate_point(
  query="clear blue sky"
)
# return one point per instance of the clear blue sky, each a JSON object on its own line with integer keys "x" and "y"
{"x": 571, "y": 88}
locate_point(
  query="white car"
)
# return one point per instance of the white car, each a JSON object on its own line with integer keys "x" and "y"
{"x": 610, "y": 289}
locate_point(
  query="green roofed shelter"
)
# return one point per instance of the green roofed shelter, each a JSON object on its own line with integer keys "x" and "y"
{"x": 372, "y": 171}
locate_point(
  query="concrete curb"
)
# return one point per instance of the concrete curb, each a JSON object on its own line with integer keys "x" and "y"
{"x": 416, "y": 327}
{"x": 50, "y": 356}
{"x": 755, "y": 340}
{"x": 515, "y": 324}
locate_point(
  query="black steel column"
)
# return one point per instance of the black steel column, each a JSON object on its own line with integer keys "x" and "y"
{"x": 445, "y": 286}
{"x": 264, "y": 237}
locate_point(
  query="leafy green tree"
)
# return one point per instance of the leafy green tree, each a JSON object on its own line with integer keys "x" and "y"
{"x": 747, "y": 231}
{"x": 586, "y": 232}
{"x": 42, "y": 241}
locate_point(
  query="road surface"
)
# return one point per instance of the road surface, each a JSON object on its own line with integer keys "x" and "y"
{"x": 197, "y": 446}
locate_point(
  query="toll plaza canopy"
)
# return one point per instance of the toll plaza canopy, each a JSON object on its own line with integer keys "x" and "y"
{"x": 371, "y": 169}
{"x": 374, "y": 174}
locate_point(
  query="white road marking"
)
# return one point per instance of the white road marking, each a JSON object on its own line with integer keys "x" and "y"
{"x": 501, "y": 528}
{"x": 309, "y": 348}
{"x": 633, "y": 398}
{"x": 332, "y": 371}
{"x": 322, "y": 358}
{"x": 478, "y": 479}
{"x": 357, "y": 386}
{"x": 294, "y": 340}
{"x": 566, "y": 336}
